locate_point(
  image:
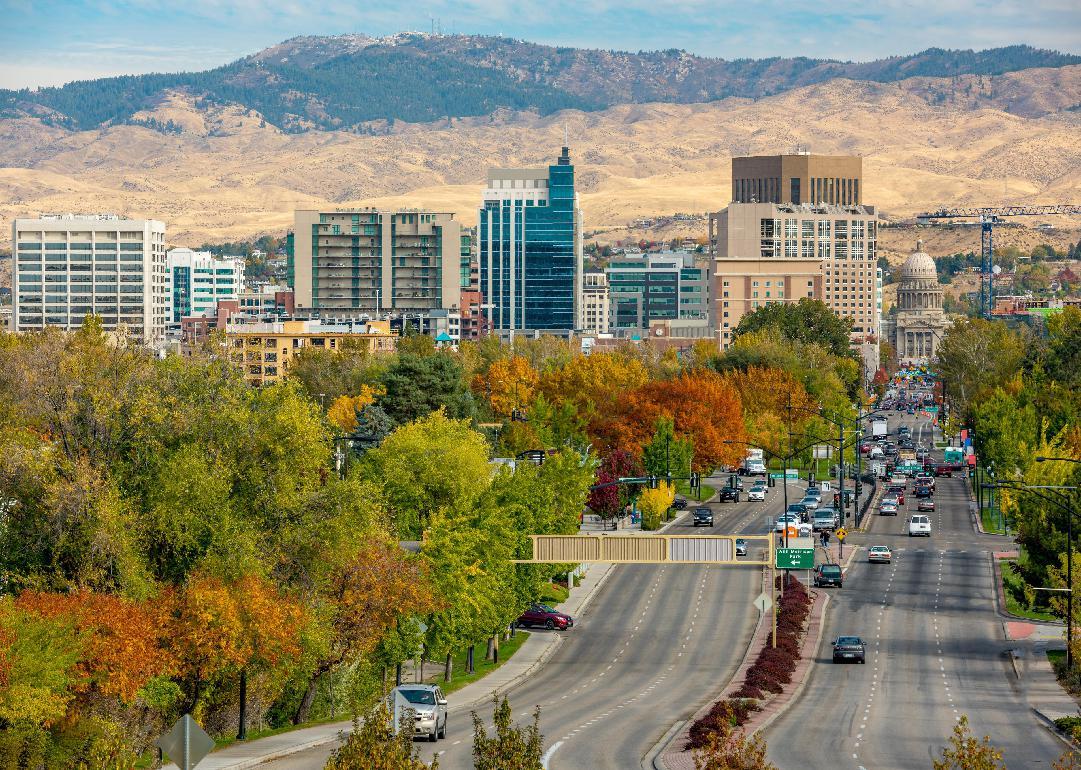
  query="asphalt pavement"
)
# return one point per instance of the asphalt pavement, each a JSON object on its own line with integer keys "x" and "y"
{"x": 655, "y": 644}
{"x": 934, "y": 652}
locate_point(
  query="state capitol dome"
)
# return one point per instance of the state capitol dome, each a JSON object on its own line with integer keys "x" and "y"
{"x": 919, "y": 266}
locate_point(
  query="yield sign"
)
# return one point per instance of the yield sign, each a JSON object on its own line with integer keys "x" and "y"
{"x": 763, "y": 602}
{"x": 186, "y": 744}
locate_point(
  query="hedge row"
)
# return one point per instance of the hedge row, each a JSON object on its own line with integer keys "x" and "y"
{"x": 771, "y": 670}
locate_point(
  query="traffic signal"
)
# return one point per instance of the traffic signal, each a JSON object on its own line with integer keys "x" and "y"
{"x": 696, "y": 480}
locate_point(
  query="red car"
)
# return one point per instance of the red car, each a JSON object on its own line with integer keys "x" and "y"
{"x": 943, "y": 470}
{"x": 544, "y": 616}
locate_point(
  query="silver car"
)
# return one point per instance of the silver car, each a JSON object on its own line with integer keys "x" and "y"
{"x": 429, "y": 706}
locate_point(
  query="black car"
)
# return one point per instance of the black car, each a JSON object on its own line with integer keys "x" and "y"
{"x": 680, "y": 503}
{"x": 849, "y": 648}
{"x": 829, "y": 575}
{"x": 703, "y": 517}
{"x": 728, "y": 495}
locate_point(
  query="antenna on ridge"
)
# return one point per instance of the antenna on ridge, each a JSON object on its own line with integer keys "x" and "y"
{"x": 566, "y": 142}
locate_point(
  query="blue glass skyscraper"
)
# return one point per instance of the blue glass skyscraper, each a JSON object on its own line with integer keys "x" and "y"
{"x": 530, "y": 246}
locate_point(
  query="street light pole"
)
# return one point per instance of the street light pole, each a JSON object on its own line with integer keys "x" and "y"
{"x": 1070, "y": 513}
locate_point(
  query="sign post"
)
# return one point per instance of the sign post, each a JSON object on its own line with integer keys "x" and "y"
{"x": 841, "y": 534}
{"x": 186, "y": 744}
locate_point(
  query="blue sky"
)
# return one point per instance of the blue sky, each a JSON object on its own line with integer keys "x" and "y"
{"x": 47, "y": 42}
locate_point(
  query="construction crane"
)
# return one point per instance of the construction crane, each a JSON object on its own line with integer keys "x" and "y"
{"x": 988, "y": 217}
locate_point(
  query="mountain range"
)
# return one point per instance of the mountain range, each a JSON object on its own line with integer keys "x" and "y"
{"x": 365, "y": 85}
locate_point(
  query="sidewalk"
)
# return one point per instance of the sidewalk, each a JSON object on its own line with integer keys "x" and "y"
{"x": 1045, "y": 695}
{"x": 533, "y": 653}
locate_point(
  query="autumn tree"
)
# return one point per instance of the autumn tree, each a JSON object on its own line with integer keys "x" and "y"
{"x": 374, "y": 744}
{"x": 365, "y": 598}
{"x": 608, "y": 503}
{"x": 966, "y": 752}
{"x": 654, "y": 502}
{"x": 592, "y": 383}
{"x": 508, "y": 385}
{"x": 511, "y": 747}
{"x": 702, "y": 407}
{"x": 808, "y": 320}
{"x": 976, "y": 356}
{"x": 343, "y": 412}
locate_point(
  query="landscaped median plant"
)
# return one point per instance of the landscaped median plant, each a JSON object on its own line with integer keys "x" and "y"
{"x": 769, "y": 673}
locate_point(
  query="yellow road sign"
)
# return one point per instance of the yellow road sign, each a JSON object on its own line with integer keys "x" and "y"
{"x": 841, "y": 533}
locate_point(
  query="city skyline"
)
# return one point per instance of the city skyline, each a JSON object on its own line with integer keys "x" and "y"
{"x": 126, "y": 37}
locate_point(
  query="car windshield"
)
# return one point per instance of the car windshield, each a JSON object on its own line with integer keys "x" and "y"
{"x": 879, "y": 548}
{"x": 543, "y": 608}
{"x": 421, "y": 697}
{"x": 831, "y": 569}
{"x": 848, "y": 640}
{"x": 740, "y": 541}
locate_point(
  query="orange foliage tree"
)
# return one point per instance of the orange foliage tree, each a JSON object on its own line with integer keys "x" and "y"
{"x": 766, "y": 394}
{"x": 217, "y": 627}
{"x": 120, "y": 641}
{"x": 702, "y": 406}
{"x": 508, "y": 385}
{"x": 593, "y": 383}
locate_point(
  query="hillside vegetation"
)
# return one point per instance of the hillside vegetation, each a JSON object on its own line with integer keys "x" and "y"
{"x": 358, "y": 83}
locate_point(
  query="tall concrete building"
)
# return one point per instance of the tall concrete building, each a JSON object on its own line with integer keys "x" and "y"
{"x": 799, "y": 178}
{"x": 67, "y": 266}
{"x": 665, "y": 286}
{"x": 367, "y": 261}
{"x": 197, "y": 280}
{"x": 776, "y": 253}
{"x": 529, "y": 240}
{"x": 596, "y": 303}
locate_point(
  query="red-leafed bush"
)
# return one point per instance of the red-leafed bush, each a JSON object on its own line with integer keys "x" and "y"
{"x": 771, "y": 670}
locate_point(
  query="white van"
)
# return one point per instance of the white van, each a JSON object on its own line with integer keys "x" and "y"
{"x": 919, "y": 525}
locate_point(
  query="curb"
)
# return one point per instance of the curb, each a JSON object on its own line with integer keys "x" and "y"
{"x": 803, "y": 682}
{"x": 1050, "y": 725}
{"x": 659, "y": 748}
{"x": 285, "y": 751}
{"x": 654, "y": 759}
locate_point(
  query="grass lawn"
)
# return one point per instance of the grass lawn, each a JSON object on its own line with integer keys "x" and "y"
{"x": 1009, "y": 579}
{"x": 1056, "y": 656}
{"x": 991, "y": 522}
{"x": 683, "y": 488}
{"x": 552, "y": 593}
{"x": 460, "y": 679}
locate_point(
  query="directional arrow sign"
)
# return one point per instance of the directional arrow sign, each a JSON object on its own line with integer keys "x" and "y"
{"x": 795, "y": 558}
{"x": 763, "y": 602}
{"x": 186, "y": 744}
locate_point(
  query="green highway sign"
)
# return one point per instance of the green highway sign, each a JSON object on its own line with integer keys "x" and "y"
{"x": 792, "y": 473}
{"x": 795, "y": 558}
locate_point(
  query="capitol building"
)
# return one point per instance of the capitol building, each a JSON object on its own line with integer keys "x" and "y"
{"x": 916, "y": 330}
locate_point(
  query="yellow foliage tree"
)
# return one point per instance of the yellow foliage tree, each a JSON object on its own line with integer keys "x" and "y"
{"x": 593, "y": 383}
{"x": 654, "y": 503}
{"x": 343, "y": 412}
{"x": 509, "y": 384}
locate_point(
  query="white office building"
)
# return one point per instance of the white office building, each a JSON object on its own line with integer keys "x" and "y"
{"x": 197, "y": 281}
{"x": 67, "y": 266}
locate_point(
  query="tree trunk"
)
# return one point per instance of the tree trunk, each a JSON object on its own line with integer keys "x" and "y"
{"x": 489, "y": 654}
{"x": 447, "y": 669}
{"x": 469, "y": 660}
{"x": 305, "y": 707}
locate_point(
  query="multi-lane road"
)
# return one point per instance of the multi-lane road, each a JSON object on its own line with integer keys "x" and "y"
{"x": 935, "y": 651}
{"x": 657, "y": 642}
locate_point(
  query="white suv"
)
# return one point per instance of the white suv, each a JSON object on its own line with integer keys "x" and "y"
{"x": 429, "y": 705}
{"x": 919, "y": 525}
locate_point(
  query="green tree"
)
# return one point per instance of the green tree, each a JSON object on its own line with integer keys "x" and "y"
{"x": 431, "y": 465}
{"x": 966, "y": 752}
{"x": 667, "y": 452}
{"x": 418, "y": 385}
{"x": 512, "y": 747}
{"x": 373, "y": 744}
{"x": 976, "y": 356}
{"x": 808, "y": 320}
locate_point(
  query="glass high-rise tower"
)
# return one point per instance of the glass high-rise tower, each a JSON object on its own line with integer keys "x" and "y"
{"x": 529, "y": 240}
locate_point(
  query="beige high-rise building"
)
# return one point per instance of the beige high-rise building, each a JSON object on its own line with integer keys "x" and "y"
{"x": 68, "y": 266}
{"x": 798, "y": 178}
{"x": 768, "y": 253}
{"x": 366, "y": 261}
{"x": 596, "y": 316}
